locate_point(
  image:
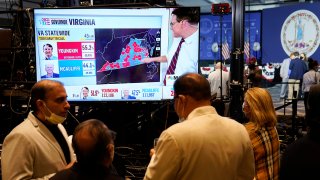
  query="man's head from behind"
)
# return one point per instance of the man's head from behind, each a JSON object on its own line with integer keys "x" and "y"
{"x": 93, "y": 143}
{"x": 294, "y": 55}
{"x": 191, "y": 91}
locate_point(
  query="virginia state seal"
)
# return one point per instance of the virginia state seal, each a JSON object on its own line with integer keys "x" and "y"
{"x": 300, "y": 32}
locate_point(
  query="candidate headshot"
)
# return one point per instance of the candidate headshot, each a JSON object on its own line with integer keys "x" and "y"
{"x": 85, "y": 93}
{"x": 126, "y": 95}
{"x": 48, "y": 50}
{"x": 49, "y": 68}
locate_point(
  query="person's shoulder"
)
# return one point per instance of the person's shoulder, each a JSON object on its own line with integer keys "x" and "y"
{"x": 231, "y": 122}
{"x": 66, "y": 174}
{"x": 212, "y": 74}
{"x": 53, "y": 58}
{"x": 24, "y": 129}
{"x": 286, "y": 61}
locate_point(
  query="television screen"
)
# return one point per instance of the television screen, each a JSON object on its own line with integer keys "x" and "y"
{"x": 99, "y": 53}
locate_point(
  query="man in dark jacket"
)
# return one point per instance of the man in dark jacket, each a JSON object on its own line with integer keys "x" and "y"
{"x": 297, "y": 68}
{"x": 93, "y": 144}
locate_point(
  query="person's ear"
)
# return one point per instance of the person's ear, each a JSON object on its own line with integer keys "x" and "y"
{"x": 110, "y": 149}
{"x": 183, "y": 98}
{"x": 39, "y": 103}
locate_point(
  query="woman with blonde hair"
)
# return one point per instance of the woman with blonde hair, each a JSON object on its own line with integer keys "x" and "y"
{"x": 258, "y": 108}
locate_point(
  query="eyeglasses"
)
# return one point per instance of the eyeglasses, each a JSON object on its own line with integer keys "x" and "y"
{"x": 173, "y": 23}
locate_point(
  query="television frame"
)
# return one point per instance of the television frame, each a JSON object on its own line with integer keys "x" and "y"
{"x": 50, "y": 23}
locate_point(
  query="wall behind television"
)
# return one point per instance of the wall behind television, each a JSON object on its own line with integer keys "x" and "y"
{"x": 214, "y": 30}
{"x": 290, "y": 28}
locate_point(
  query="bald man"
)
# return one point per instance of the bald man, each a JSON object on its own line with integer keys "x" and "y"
{"x": 38, "y": 147}
{"x": 94, "y": 147}
{"x": 204, "y": 145}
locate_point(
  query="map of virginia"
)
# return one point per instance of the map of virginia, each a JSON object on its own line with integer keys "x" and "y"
{"x": 119, "y": 53}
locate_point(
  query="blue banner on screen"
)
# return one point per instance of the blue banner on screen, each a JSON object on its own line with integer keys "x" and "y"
{"x": 216, "y": 32}
{"x": 295, "y": 28}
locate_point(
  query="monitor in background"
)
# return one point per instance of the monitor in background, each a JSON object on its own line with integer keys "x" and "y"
{"x": 102, "y": 48}
{"x": 216, "y": 32}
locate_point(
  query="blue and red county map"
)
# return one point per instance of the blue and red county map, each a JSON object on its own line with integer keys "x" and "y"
{"x": 119, "y": 53}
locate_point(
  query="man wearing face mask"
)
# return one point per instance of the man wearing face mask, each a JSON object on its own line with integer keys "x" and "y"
{"x": 204, "y": 145}
{"x": 38, "y": 147}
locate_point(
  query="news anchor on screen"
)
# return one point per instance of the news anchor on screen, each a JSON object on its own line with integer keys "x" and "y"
{"x": 49, "y": 68}
{"x": 183, "y": 53}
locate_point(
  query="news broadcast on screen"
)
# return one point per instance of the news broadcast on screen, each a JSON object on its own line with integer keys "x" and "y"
{"x": 98, "y": 53}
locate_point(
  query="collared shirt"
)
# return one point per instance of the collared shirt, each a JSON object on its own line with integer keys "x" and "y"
{"x": 54, "y": 75}
{"x": 188, "y": 55}
{"x": 204, "y": 146}
{"x": 51, "y": 58}
{"x": 309, "y": 78}
{"x": 266, "y": 148}
{"x": 214, "y": 79}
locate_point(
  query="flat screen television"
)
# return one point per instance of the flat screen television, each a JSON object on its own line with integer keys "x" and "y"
{"x": 97, "y": 52}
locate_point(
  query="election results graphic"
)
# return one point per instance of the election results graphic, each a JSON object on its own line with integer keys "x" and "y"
{"x": 98, "y": 53}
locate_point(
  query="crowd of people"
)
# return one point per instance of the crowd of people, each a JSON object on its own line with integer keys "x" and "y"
{"x": 298, "y": 73}
{"x": 203, "y": 145}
